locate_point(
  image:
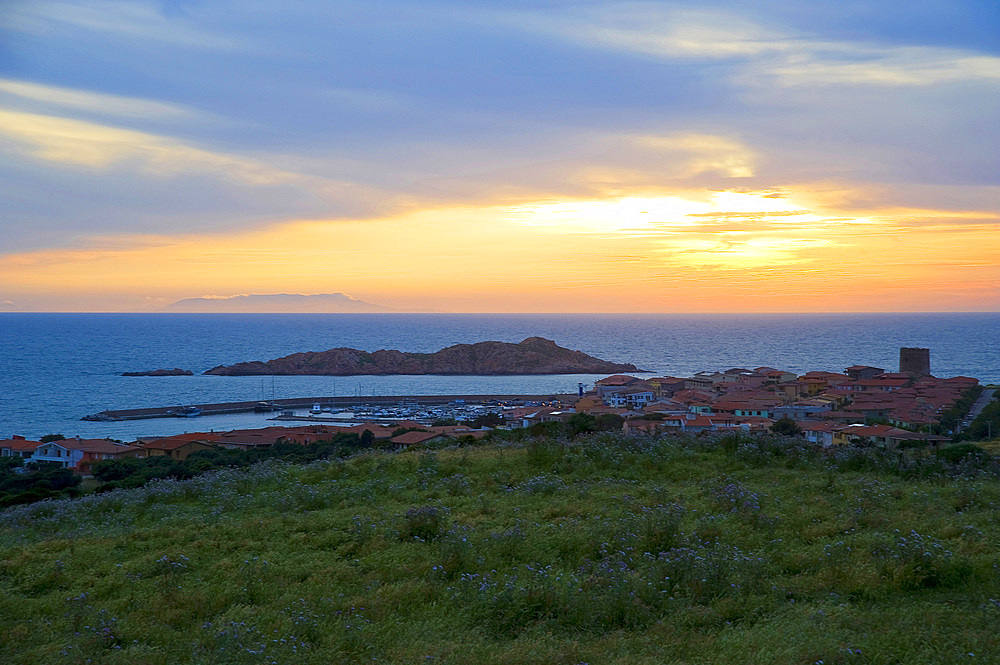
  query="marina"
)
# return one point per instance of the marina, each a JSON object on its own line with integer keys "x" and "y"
{"x": 386, "y": 407}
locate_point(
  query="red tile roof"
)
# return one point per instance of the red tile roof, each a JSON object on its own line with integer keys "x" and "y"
{"x": 18, "y": 443}
{"x": 616, "y": 380}
{"x": 173, "y": 444}
{"x": 412, "y": 438}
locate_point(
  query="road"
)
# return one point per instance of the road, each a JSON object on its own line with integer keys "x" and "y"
{"x": 977, "y": 408}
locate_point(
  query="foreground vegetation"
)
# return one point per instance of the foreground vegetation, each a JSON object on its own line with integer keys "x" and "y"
{"x": 597, "y": 549}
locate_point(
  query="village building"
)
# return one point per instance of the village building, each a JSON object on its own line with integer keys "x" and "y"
{"x": 79, "y": 454}
{"x": 859, "y": 372}
{"x": 630, "y": 398}
{"x": 666, "y": 386}
{"x": 179, "y": 446}
{"x": 802, "y": 410}
{"x": 18, "y": 446}
{"x": 415, "y": 438}
{"x": 817, "y": 432}
{"x": 617, "y": 383}
{"x": 883, "y": 435}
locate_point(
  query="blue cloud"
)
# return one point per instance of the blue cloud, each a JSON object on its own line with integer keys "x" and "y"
{"x": 296, "y": 108}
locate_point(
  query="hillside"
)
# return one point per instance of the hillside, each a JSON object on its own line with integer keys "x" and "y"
{"x": 601, "y": 549}
{"x": 534, "y": 355}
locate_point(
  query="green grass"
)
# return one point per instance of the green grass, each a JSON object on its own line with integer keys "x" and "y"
{"x": 600, "y": 550}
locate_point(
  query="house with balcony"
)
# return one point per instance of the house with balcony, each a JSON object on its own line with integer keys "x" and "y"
{"x": 859, "y": 372}
{"x": 818, "y": 432}
{"x": 802, "y": 410}
{"x": 79, "y": 454}
{"x": 703, "y": 380}
{"x": 18, "y": 446}
{"x": 776, "y": 375}
{"x": 666, "y": 386}
{"x": 631, "y": 398}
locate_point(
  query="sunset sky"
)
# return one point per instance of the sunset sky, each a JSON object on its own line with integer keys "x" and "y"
{"x": 519, "y": 156}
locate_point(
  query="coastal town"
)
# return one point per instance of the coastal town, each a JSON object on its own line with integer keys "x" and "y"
{"x": 862, "y": 404}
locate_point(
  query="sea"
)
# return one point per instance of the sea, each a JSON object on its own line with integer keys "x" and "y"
{"x": 57, "y": 368}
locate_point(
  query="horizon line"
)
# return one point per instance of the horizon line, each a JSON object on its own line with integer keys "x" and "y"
{"x": 467, "y": 313}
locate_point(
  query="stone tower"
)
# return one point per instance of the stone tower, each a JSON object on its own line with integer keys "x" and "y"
{"x": 915, "y": 362}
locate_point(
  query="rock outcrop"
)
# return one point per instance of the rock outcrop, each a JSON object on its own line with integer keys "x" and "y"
{"x": 534, "y": 355}
{"x": 161, "y": 372}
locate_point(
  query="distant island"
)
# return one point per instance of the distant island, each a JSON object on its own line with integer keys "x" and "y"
{"x": 279, "y": 303}
{"x": 535, "y": 355}
{"x": 161, "y": 372}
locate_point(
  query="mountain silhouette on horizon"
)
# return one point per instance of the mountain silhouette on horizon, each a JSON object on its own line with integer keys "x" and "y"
{"x": 279, "y": 303}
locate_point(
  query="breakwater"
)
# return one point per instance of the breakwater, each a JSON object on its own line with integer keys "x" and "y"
{"x": 182, "y": 410}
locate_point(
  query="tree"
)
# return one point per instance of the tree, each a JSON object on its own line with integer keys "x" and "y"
{"x": 548, "y": 428}
{"x": 367, "y": 438}
{"x": 115, "y": 469}
{"x": 957, "y": 453}
{"x": 581, "y": 423}
{"x": 486, "y": 420}
{"x": 786, "y": 427}
{"x": 48, "y": 438}
{"x": 8, "y": 464}
{"x": 609, "y": 422}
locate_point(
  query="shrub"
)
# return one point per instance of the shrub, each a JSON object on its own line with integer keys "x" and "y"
{"x": 608, "y": 422}
{"x": 786, "y": 427}
{"x": 424, "y": 524}
{"x": 957, "y": 453}
{"x": 914, "y": 561}
{"x": 659, "y": 527}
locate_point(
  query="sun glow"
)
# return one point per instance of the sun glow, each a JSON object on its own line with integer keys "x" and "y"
{"x": 633, "y": 215}
{"x": 727, "y": 229}
{"x": 652, "y": 214}
{"x": 722, "y": 250}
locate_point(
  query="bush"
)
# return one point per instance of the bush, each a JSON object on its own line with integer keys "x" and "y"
{"x": 581, "y": 423}
{"x": 957, "y": 453}
{"x": 609, "y": 422}
{"x": 424, "y": 523}
{"x": 115, "y": 469}
{"x": 550, "y": 428}
{"x": 786, "y": 427}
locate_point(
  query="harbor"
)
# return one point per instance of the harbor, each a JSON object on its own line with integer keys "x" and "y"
{"x": 386, "y": 406}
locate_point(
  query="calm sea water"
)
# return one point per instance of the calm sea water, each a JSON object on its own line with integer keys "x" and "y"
{"x": 56, "y": 368}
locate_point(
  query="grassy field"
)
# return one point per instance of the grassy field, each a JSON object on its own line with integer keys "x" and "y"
{"x": 604, "y": 549}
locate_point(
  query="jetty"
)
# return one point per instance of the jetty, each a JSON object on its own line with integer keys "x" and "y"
{"x": 268, "y": 406}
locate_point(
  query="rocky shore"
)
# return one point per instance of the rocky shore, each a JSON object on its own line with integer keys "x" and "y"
{"x": 535, "y": 355}
{"x": 161, "y": 372}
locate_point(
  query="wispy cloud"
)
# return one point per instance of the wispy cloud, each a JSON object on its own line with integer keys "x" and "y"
{"x": 783, "y": 58}
{"x": 120, "y": 19}
{"x": 659, "y": 31}
{"x": 519, "y": 143}
{"x": 96, "y": 147}
{"x": 95, "y": 102}
{"x": 911, "y": 66}
{"x": 697, "y": 153}
{"x": 80, "y": 143}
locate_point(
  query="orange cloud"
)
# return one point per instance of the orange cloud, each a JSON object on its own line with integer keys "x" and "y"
{"x": 719, "y": 251}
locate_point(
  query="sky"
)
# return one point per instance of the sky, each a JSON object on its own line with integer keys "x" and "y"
{"x": 519, "y": 156}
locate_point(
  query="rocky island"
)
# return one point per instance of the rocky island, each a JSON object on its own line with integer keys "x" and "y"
{"x": 535, "y": 355}
{"x": 161, "y": 372}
